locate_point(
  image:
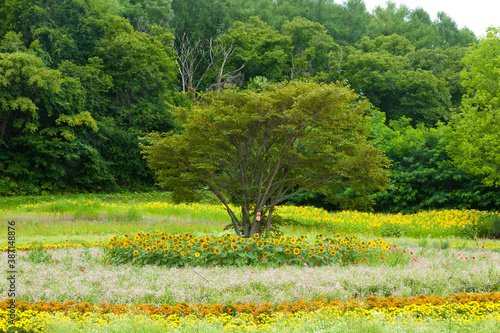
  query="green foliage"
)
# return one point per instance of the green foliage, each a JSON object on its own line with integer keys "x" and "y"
{"x": 38, "y": 255}
{"x": 185, "y": 250}
{"x": 313, "y": 50}
{"x": 391, "y": 230}
{"x": 281, "y": 142}
{"x": 259, "y": 48}
{"x": 381, "y": 70}
{"x": 495, "y": 227}
{"x": 422, "y": 175}
{"x": 475, "y": 134}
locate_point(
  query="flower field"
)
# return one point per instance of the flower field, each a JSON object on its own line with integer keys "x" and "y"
{"x": 104, "y": 217}
{"x": 129, "y": 266}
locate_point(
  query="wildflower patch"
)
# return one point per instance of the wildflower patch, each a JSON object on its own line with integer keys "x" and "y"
{"x": 186, "y": 250}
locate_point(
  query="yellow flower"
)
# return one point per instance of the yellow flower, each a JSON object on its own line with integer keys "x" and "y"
{"x": 260, "y": 243}
{"x": 337, "y": 235}
{"x": 283, "y": 239}
{"x": 310, "y": 255}
{"x": 333, "y": 253}
{"x": 197, "y": 254}
{"x": 136, "y": 253}
{"x": 256, "y": 236}
{"x": 296, "y": 251}
{"x": 321, "y": 250}
{"x": 293, "y": 240}
{"x": 216, "y": 250}
{"x": 264, "y": 254}
{"x": 234, "y": 246}
{"x": 250, "y": 240}
{"x": 246, "y": 248}
{"x": 148, "y": 249}
{"x": 276, "y": 242}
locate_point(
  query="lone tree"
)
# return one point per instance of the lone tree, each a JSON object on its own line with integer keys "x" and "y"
{"x": 257, "y": 149}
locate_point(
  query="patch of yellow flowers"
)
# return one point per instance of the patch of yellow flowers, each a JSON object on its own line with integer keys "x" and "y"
{"x": 471, "y": 312}
{"x": 170, "y": 250}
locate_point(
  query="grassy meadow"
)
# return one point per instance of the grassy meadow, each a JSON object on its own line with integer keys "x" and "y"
{"x": 434, "y": 271}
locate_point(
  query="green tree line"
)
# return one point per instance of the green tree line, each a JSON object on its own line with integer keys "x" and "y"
{"x": 82, "y": 80}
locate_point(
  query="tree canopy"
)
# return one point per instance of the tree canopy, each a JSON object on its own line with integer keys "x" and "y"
{"x": 476, "y": 129}
{"x": 256, "y": 150}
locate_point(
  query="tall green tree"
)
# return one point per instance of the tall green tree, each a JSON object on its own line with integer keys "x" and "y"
{"x": 381, "y": 70}
{"x": 144, "y": 75}
{"x": 258, "y": 149}
{"x": 259, "y": 49}
{"x": 422, "y": 175}
{"x": 476, "y": 127}
{"x": 313, "y": 50}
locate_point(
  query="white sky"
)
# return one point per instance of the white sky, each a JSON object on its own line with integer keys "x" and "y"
{"x": 477, "y": 15}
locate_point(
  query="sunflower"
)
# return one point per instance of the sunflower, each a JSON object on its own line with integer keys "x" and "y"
{"x": 260, "y": 243}
{"x": 155, "y": 248}
{"x": 264, "y": 255}
{"x": 283, "y": 239}
{"x": 333, "y": 253}
{"x": 148, "y": 249}
{"x": 204, "y": 246}
{"x": 220, "y": 241}
{"x": 234, "y": 246}
{"x": 250, "y": 240}
{"x": 136, "y": 253}
{"x": 246, "y": 248}
{"x": 276, "y": 242}
{"x": 166, "y": 250}
{"x": 310, "y": 255}
{"x": 125, "y": 235}
{"x": 302, "y": 237}
{"x": 321, "y": 250}
{"x": 125, "y": 245}
{"x": 255, "y": 236}
{"x": 207, "y": 239}
{"x": 216, "y": 250}
{"x": 337, "y": 235}
{"x": 296, "y": 251}
{"x": 188, "y": 253}
{"x": 293, "y": 240}
{"x": 197, "y": 254}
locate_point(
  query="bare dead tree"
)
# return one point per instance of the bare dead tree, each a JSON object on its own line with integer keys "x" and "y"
{"x": 189, "y": 57}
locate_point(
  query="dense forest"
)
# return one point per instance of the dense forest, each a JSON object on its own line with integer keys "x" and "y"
{"x": 81, "y": 81}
